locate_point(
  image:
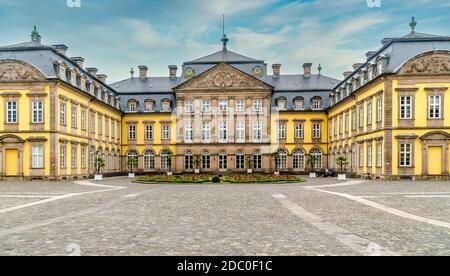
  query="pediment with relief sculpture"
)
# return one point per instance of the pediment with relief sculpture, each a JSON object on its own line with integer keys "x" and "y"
{"x": 224, "y": 76}
{"x": 431, "y": 63}
{"x": 17, "y": 71}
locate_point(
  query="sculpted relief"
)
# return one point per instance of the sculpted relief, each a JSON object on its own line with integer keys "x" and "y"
{"x": 430, "y": 64}
{"x": 15, "y": 71}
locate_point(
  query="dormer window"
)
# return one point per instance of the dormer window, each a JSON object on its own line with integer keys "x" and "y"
{"x": 103, "y": 95}
{"x": 316, "y": 103}
{"x": 281, "y": 103}
{"x": 299, "y": 104}
{"x": 149, "y": 106}
{"x": 96, "y": 92}
{"x": 132, "y": 106}
{"x": 166, "y": 105}
{"x": 68, "y": 75}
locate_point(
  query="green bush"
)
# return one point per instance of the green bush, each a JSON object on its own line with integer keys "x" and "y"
{"x": 215, "y": 179}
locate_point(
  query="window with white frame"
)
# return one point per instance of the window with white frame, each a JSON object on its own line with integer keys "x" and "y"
{"x": 37, "y": 112}
{"x": 369, "y": 155}
{"x": 166, "y": 105}
{"x": 406, "y": 107}
{"x": 299, "y": 131}
{"x": 100, "y": 124}
{"x": 206, "y": 161}
{"x": 132, "y": 132}
{"x": 62, "y": 113}
{"x": 149, "y": 160}
{"x": 62, "y": 156}
{"x": 189, "y": 106}
{"x": 132, "y": 106}
{"x": 11, "y": 112}
{"x": 188, "y": 132}
{"x": 369, "y": 113}
{"x": 316, "y": 131}
{"x": 316, "y": 103}
{"x": 361, "y": 116}
{"x": 379, "y": 109}
{"x": 435, "y": 107}
{"x": 148, "y": 135}
{"x": 223, "y": 132}
{"x": 257, "y": 105}
{"x": 37, "y": 157}
{"x": 240, "y": 161}
{"x": 223, "y": 161}
{"x": 206, "y": 132}
{"x": 206, "y": 106}
{"x": 281, "y": 131}
{"x": 282, "y": 159}
{"x": 149, "y": 106}
{"x": 354, "y": 124}
{"x": 74, "y": 116}
{"x": 257, "y": 160}
{"x": 165, "y": 135}
{"x": 240, "y": 105}
{"x": 92, "y": 122}
{"x": 379, "y": 154}
{"x": 74, "y": 157}
{"x": 83, "y": 157}
{"x": 299, "y": 104}
{"x": 299, "y": 159}
{"x": 240, "y": 132}
{"x": 347, "y": 122}
{"x": 281, "y": 104}
{"x": 361, "y": 156}
{"x": 406, "y": 155}
{"x": 223, "y": 105}
{"x": 317, "y": 154}
{"x": 257, "y": 131}
{"x": 83, "y": 119}
{"x": 166, "y": 160}
{"x": 189, "y": 161}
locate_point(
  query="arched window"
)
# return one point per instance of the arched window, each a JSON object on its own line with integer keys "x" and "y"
{"x": 317, "y": 153}
{"x": 132, "y": 106}
{"x": 299, "y": 103}
{"x": 257, "y": 160}
{"x": 166, "y": 105}
{"x": 223, "y": 161}
{"x": 149, "y": 160}
{"x": 299, "y": 159}
{"x": 281, "y": 103}
{"x": 166, "y": 160}
{"x": 131, "y": 154}
{"x": 189, "y": 161}
{"x": 240, "y": 161}
{"x": 206, "y": 161}
{"x": 282, "y": 160}
{"x": 149, "y": 106}
{"x": 316, "y": 103}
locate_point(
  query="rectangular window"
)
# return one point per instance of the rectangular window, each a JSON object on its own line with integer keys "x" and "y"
{"x": 206, "y": 162}
{"x": 257, "y": 132}
{"x": 240, "y": 162}
{"x": 240, "y": 132}
{"x": 188, "y": 132}
{"x": 223, "y": 106}
{"x": 206, "y": 132}
{"x": 37, "y": 157}
{"x": 299, "y": 133}
{"x": 257, "y": 106}
{"x": 62, "y": 156}
{"x": 240, "y": 105}
{"x": 37, "y": 112}
{"x": 405, "y": 107}
{"x": 73, "y": 157}
{"x": 361, "y": 116}
{"x": 223, "y": 161}
{"x": 74, "y": 116}
{"x": 369, "y": 155}
{"x": 11, "y": 112}
{"x": 435, "y": 107}
{"x": 189, "y": 162}
{"x": 83, "y": 157}
{"x": 113, "y": 129}
{"x": 257, "y": 161}
{"x": 83, "y": 120}
{"x": 281, "y": 131}
{"x": 206, "y": 106}
{"x": 361, "y": 156}
{"x": 354, "y": 119}
{"x": 92, "y": 122}
{"x": 132, "y": 132}
{"x": 166, "y": 132}
{"x": 379, "y": 155}
{"x": 379, "y": 110}
{"x": 223, "y": 132}
{"x": 148, "y": 132}
{"x": 341, "y": 125}
{"x": 100, "y": 125}
{"x": 347, "y": 123}
{"x": 316, "y": 131}
{"x": 62, "y": 113}
{"x": 369, "y": 113}
{"x": 405, "y": 155}
{"x": 188, "y": 107}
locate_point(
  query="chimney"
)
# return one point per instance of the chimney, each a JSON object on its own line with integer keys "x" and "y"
{"x": 61, "y": 48}
{"x": 143, "y": 72}
{"x": 356, "y": 66}
{"x": 348, "y": 73}
{"x": 276, "y": 70}
{"x": 307, "y": 70}
{"x": 78, "y": 60}
{"x": 102, "y": 77}
{"x": 173, "y": 71}
{"x": 92, "y": 71}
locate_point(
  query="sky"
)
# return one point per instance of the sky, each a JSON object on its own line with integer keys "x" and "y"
{"x": 116, "y": 35}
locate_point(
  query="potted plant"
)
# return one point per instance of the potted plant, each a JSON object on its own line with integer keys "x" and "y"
{"x": 276, "y": 157}
{"x": 249, "y": 163}
{"x": 197, "y": 163}
{"x": 312, "y": 160}
{"x": 342, "y": 161}
{"x": 169, "y": 163}
{"x": 132, "y": 165}
{"x": 99, "y": 165}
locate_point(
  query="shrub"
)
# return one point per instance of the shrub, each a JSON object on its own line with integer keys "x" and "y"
{"x": 215, "y": 179}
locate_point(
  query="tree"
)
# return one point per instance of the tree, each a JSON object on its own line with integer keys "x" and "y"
{"x": 312, "y": 160}
{"x": 132, "y": 163}
{"x": 249, "y": 162}
{"x": 99, "y": 164}
{"x": 169, "y": 160}
{"x": 276, "y": 157}
{"x": 197, "y": 161}
{"x": 341, "y": 161}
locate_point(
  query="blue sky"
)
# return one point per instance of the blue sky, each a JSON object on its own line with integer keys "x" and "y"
{"x": 116, "y": 35}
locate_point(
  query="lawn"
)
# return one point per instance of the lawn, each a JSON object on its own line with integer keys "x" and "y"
{"x": 212, "y": 179}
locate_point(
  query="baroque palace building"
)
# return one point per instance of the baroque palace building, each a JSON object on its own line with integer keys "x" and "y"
{"x": 387, "y": 116}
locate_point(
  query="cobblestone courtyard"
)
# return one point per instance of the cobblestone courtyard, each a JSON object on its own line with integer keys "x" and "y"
{"x": 319, "y": 217}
